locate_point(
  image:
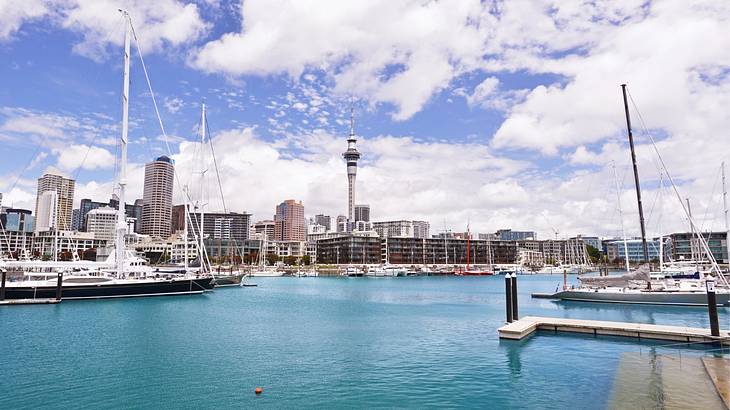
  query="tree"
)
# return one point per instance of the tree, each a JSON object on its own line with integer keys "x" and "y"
{"x": 272, "y": 259}
{"x": 593, "y": 253}
{"x": 290, "y": 260}
{"x": 306, "y": 260}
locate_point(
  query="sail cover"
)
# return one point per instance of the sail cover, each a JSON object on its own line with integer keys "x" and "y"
{"x": 642, "y": 273}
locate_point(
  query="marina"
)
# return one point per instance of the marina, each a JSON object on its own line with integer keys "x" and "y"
{"x": 349, "y": 342}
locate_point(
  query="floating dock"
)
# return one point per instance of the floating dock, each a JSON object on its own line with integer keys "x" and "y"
{"x": 526, "y": 326}
{"x": 11, "y": 302}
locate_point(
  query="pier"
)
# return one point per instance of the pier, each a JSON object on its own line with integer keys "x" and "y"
{"x": 12, "y": 302}
{"x": 526, "y": 326}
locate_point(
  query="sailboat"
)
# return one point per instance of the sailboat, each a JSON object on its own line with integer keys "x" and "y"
{"x": 472, "y": 272}
{"x": 638, "y": 287}
{"x": 124, "y": 274}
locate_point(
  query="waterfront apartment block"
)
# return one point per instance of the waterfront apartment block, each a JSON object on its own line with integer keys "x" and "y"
{"x": 157, "y": 198}
{"x": 510, "y": 235}
{"x": 684, "y": 245}
{"x": 402, "y": 229}
{"x": 353, "y": 249}
{"x": 615, "y": 250}
{"x": 289, "y": 224}
{"x": 54, "y": 202}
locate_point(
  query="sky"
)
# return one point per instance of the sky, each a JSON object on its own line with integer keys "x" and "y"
{"x": 487, "y": 114}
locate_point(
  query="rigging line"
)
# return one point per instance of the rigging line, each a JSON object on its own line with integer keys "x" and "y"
{"x": 705, "y": 245}
{"x": 711, "y": 201}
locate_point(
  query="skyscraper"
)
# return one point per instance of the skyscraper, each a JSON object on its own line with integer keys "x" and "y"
{"x": 351, "y": 156}
{"x": 289, "y": 221}
{"x": 157, "y": 197}
{"x": 324, "y": 220}
{"x": 362, "y": 213}
{"x": 61, "y": 203}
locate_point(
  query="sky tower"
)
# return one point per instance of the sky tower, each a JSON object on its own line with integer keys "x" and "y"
{"x": 351, "y": 156}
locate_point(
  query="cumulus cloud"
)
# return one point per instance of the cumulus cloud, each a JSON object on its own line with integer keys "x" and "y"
{"x": 14, "y": 13}
{"x": 397, "y": 52}
{"x": 85, "y": 157}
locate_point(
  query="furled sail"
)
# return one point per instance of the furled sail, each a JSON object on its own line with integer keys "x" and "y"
{"x": 642, "y": 273}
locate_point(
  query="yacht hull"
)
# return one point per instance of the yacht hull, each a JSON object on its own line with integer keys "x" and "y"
{"x": 643, "y": 297}
{"x": 112, "y": 290}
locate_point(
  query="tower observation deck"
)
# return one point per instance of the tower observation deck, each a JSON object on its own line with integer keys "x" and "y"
{"x": 351, "y": 156}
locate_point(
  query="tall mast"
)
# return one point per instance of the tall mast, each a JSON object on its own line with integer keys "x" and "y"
{"x": 636, "y": 176}
{"x": 692, "y": 232}
{"x": 121, "y": 216}
{"x": 621, "y": 218}
{"x": 727, "y": 224}
{"x": 661, "y": 233}
{"x": 185, "y": 225}
{"x": 202, "y": 187}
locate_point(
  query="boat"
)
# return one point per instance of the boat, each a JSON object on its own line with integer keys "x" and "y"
{"x": 467, "y": 271}
{"x": 123, "y": 274}
{"x": 638, "y": 287}
{"x": 631, "y": 288}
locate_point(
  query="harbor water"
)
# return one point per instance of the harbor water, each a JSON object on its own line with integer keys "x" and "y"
{"x": 332, "y": 343}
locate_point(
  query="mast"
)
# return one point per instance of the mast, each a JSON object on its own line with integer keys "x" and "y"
{"x": 727, "y": 225}
{"x": 692, "y": 233}
{"x": 121, "y": 217}
{"x": 621, "y": 218}
{"x": 468, "y": 247}
{"x": 636, "y": 176}
{"x": 202, "y": 186}
{"x": 661, "y": 233}
{"x": 185, "y": 225}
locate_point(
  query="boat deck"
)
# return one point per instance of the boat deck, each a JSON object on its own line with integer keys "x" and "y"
{"x": 526, "y": 326}
{"x": 43, "y": 301}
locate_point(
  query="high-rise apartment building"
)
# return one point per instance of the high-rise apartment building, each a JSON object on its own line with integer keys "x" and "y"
{"x": 362, "y": 213}
{"x": 289, "y": 222}
{"x": 61, "y": 202}
{"x": 157, "y": 198}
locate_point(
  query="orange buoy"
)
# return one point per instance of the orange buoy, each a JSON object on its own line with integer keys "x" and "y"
{"x": 259, "y": 390}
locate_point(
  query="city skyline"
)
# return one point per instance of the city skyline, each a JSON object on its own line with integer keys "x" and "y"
{"x": 521, "y": 140}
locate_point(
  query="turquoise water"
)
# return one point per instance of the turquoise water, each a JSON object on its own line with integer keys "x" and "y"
{"x": 316, "y": 343}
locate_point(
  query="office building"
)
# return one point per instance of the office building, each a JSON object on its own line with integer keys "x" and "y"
{"x": 102, "y": 222}
{"x": 58, "y": 206}
{"x": 615, "y": 250}
{"x": 16, "y": 231}
{"x": 342, "y": 225}
{"x": 219, "y": 225}
{"x": 324, "y": 220}
{"x": 157, "y": 198}
{"x": 289, "y": 221}
{"x": 685, "y": 245}
{"x": 264, "y": 229}
{"x": 131, "y": 211}
{"x": 362, "y": 213}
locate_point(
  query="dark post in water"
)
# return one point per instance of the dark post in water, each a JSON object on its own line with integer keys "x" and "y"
{"x": 508, "y": 296}
{"x": 59, "y": 286}
{"x": 515, "y": 315}
{"x": 712, "y": 307}
{"x": 2, "y": 285}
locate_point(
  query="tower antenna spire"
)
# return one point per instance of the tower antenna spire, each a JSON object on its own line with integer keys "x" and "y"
{"x": 351, "y": 156}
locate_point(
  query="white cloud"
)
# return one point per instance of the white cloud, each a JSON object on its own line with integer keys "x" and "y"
{"x": 72, "y": 157}
{"x": 14, "y": 13}
{"x": 398, "y": 52}
{"x": 173, "y": 105}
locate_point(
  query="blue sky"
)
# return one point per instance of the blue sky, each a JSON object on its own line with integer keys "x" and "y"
{"x": 497, "y": 114}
